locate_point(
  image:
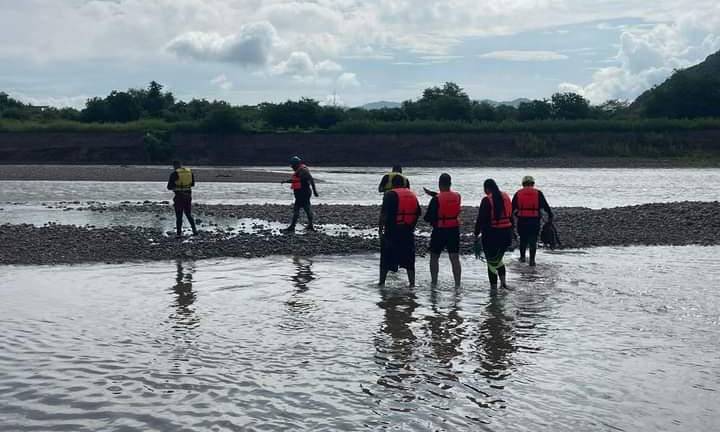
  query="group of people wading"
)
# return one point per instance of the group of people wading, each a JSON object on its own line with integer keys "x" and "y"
{"x": 497, "y": 219}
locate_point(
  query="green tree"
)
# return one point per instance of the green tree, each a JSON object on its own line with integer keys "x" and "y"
{"x": 570, "y": 106}
{"x": 535, "y": 110}
{"x": 121, "y": 107}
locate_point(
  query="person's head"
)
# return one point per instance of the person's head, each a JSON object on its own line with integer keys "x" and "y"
{"x": 295, "y": 162}
{"x": 177, "y": 164}
{"x": 397, "y": 169}
{"x": 528, "y": 181}
{"x": 398, "y": 182}
{"x": 492, "y": 189}
{"x": 444, "y": 182}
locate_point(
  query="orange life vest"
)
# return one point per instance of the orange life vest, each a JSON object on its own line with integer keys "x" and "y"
{"x": 504, "y": 221}
{"x": 295, "y": 181}
{"x": 528, "y": 202}
{"x": 407, "y": 207}
{"x": 448, "y": 209}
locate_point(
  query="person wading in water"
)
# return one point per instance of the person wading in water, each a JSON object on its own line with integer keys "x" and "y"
{"x": 527, "y": 204}
{"x": 443, "y": 214}
{"x": 303, "y": 187}
{"x": 181, "y": 181}
{"x": 494, "y": 222}
{"x": 398, "y": 217}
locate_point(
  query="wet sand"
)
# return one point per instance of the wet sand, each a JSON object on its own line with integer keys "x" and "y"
{"x": 685, "y": 223}
{"x": 133, "y": 173}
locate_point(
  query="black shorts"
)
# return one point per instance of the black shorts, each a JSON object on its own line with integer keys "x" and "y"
{"x": 445, "y": 238}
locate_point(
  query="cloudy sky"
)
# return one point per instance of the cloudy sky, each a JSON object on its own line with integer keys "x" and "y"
{"x": 61, "y": 52}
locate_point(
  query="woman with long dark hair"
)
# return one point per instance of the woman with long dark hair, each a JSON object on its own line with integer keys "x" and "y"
{"x": 494, "y": 222}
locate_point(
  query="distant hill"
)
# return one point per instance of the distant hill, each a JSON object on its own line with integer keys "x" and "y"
{"x": 691, "y": 92}
{"x": 381, "y": 105}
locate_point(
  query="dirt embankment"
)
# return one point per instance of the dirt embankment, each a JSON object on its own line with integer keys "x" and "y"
{"x": 482, "y": 149}
{"x": 687, "y": 223}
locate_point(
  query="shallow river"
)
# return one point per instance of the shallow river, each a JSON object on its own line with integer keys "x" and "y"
{"x": 607, "y": 339}
{"x": 564, "y": 187}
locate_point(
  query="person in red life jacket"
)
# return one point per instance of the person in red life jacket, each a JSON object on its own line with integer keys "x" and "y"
{"x": 303, "y": 187}
{"x": 181, "y": 181}
{"x": 443, "y": 214}
{"x": 398, "y": 217}
{"x": 494, "y": 222}
{"x": 527, "y": 204}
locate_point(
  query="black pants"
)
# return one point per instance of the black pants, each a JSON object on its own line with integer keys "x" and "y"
{"x": 528, "y": 230}
{"x": 183, "y": 205}
{"x": 495, "y": 242}
{"x": 302, "y": 201}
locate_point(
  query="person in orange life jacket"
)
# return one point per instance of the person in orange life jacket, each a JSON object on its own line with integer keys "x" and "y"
{"x": 527, "y": 204}
{"x": 387, "y": 180}
{"x": 181, "y": 181}
{"x": 443, "y": 214}
{"x": 303, "y": 187}
{"x": 494, "y": 222}
{"x": 396, "y": 229}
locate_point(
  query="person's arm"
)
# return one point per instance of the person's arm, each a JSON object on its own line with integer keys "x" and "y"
{"x": 383, "y": 214}
{"x": 407, "y": 183}
{"x": 483, "y": 217}
{"x": 383, "y": 182}
{"x": 431, "y": 215}
{"x": 545, "y": 206}
{"x": 515, "y": 204}
{"x": 172, "y": 181}
{"x": 193, "y": 179}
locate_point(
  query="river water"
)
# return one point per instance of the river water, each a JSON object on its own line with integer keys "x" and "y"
{"x": 604, "y": 339}
{"x": 22, "y": 201}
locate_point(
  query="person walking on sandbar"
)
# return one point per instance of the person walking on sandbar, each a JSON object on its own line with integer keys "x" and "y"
{"x": 494, "y": 222}
{"x": 443, "y": 214}
{"x": 386, "y": 183}
{"x": 396, "y": 229}
{"x": 527, "y": 204}
{"x": 181, "y": 181}
{"x": 303, "y": 187}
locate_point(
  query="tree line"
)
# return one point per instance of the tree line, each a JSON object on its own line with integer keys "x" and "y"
{"x": 446, "y": 103}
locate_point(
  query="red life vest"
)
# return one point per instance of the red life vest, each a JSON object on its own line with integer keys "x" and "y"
{"x": 407, "y": 207}
{"x": 448, "y": 209}
{"x": 528, "y": 202}
{"x": 504, "y": 221}
{"x": 295, "y": 181}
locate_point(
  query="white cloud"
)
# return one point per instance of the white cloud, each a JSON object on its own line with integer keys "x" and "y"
{"x": 648, "y": 55}
{"x": 222, "y": 82}
{"x": 250, "y": 46}
{"x": 348, "y": 80}
{"x": 524, "y": 56}
{"x": 300, "y": 66}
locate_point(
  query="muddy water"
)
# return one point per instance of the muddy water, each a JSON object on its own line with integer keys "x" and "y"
{"x": 609, "y": 339}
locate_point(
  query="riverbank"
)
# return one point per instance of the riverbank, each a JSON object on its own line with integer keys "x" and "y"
{"x": 626, "y": 148}
{"x": 120, "y": 173}
{"x": 686, "y": 223}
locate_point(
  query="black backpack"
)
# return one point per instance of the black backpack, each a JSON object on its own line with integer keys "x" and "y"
{"x": 549, "y": 235}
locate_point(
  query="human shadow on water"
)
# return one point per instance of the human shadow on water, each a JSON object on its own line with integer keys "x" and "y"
{"x": 395, "y": 341}
{"x": 303, "y": 276}
{"x": 185, "y": 296}
{"x": 496, "y": 339}
{"x": 445, "y": 327}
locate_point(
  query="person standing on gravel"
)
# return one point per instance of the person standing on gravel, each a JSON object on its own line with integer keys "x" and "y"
{"x": 386, "y": 183}
{"x": 494, "y": 222}
{"x": 396, "y": 229}
{"x": 443, "y": 214}
{"x": 303, "y": 187}
{"x": 181, "y": 182}
{"x": 527, "y": 204}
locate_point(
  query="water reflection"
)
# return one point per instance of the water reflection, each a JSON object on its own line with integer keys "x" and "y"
{"x": 395, "y": 342}
{"x": 496, "y": 339}
{"x": 298, "y": 303}
{"x": 185, "y": 297}
{"x": 446, "y": 332}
